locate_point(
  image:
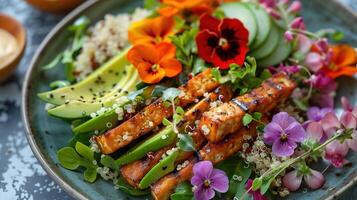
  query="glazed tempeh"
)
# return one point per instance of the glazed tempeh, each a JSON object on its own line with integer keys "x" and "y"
{"x": 134, "y": 176}
{"x": 151, "y": 116}
{"x": 215, "y": 153}
{"x": 216, "y": 123}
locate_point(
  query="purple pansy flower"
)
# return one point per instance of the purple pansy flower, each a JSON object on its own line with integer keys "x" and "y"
{"x": 316, "y": 114}
{"x": 283, "y": 133}
{"x": 255, "y": 194}
{"x": 206, "y": 180}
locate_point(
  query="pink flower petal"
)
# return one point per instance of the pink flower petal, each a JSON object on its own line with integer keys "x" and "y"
{"x": 283, "y": 119}
{"x": 219, "y": 181}
{"x": 288, "y": 36}
{"x": 304, "y": 43}
{"x": 346, "y": 105}
{"x": 313, "y": 61}
{"x": 314, "y": 180}
{"x": 292, "y": 181}
{"x": 295, "y": 7}
{"x": 330, "y": 121}
{"x": 336, "y": 147}
{"x": 314, "y": 131}
{"x": 297, "y": 23}
{"x": 348, "y": 120}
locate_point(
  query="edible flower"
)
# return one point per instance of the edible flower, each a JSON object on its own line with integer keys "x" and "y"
{"x": 222, "y": 42}
{"x": 343, "y": 62}
{"x": 347, "y": 106}
{"x": 206, "y": 180}
{"x": 313, "y": 179}
{"x": 185, "y": 7}
{"x": 335, "y": 152}
{"x": 283, "y": 133}
{"x": 316, "y": 114}
{"x": 254, "y": 193}
{"x": 326, "y": 87}
{"x": 151, "y": 30}
{"x": 154, "y": 62}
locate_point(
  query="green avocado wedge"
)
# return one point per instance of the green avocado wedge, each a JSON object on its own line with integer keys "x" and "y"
{"x": 165, "y": 166}
{"x": 269, "y": 44}
{"x": 281, "y": 52}
{"x": 78, "y": 109}
{"x": 162, "y": 139}
{"x": 98, "y": 83}
{"x": 263, "y": 22}
{"x": 241, "y": 11}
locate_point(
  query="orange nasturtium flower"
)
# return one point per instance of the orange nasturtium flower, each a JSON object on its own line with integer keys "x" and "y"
{"x": 151, "y": 30}
{"x": 185, "y": 7}
{"x": 343, "y": 61}
{"x": 154, "y": 62}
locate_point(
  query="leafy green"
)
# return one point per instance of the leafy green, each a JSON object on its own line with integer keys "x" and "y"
{"x": 82, "y": 155}
{"x": 186, "y": 142}
{"x": 238, "y": 181}
{"x": 247, "y": 119}
{"x": 183, "y": 192}
{"x": 170, "y": 94}
{"x": 67, "y": 58}
{"x": 151, "y": 4}
{"x": 109, "y": 162}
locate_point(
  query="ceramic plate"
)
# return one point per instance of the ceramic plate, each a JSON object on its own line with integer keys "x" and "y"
{"x": 46, "y": 134}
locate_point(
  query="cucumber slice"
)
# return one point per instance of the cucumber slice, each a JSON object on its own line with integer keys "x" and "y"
{"x": 263, "y": 23}
{"x": 269, "y": 44}
{"x": 98, "y": 82}
{"x": 243, "y": 13}
{"x": 282, "y": 51}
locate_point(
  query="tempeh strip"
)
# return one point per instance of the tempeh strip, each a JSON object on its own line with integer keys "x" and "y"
{"x": 216, "y": 123}
{"x": 162, "y": 189}
{"x": 151, "y": 116}
{"x": 134, "y": 176}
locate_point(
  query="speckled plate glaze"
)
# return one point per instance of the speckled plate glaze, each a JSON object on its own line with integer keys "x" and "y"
{"x": 47, "y": 134}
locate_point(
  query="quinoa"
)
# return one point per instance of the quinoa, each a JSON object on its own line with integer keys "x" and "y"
{"x": 104, "y": 40}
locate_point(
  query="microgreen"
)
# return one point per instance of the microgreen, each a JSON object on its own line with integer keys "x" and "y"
{"x": 109, "y": 162}
{"x": 83, "y": 156}
{"x": 151, "y": 4}
{"x": 248, "y": 118}
{"x": 186, "y": 142}
{"x": 183, "y": 192}
{"x": 170, "y": 94}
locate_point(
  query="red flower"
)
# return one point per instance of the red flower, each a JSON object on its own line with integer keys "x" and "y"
{"x": 222, "y": 42}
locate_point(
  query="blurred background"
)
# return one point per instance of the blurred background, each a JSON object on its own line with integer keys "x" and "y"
{"x": 21, "y": 176}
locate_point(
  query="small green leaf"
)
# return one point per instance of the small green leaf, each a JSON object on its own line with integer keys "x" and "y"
{"x": 182, "y": 192}
{"x": 84, "y": 151}
{"x": 90, "y": 174}
{"x": 186, "y": 142}
{"x": 170, "y": 94}
{"x": 180, "y": 111}
{"x": 257, "y": 116}
{"x": 166, "y": 122}
{"x": 338, "y": 36}
{"x": 216, "y": 74}
{"x": 247, "y": 119}
{"x": 68, "y": 158}
{"x": 151, "y": 4}
{"x": 260, "y": 128}
{"x": 257, "y": 183}
{"x": 109, "y": 162}
{"x": 53, "y": 63}
{"x": 266, "y": 184}
{"x": 265, "y": 74}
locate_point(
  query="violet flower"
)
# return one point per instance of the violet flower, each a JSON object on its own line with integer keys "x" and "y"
{"x": 316, "y": 114}
{"x": 283, "y": 133}
{"x": 326, "y": 87}
{"x": 255, "y": 194}
{"x": 313, "y": 179}
{"x": 207, "y": 180}
{"x": 289, "y": 70}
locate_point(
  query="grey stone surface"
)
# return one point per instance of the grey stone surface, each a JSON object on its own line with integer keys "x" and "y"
{"x": 21, "y": 176}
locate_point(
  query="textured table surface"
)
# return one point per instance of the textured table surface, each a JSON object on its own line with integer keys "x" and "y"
{"x": 21, "y": 176}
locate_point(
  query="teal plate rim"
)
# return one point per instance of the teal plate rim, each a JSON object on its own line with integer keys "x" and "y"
{"x": 25, "y": 103}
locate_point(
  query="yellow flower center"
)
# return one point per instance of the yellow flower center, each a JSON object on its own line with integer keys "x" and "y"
{"x": 223, "y": 43}
{"x": 283, "y": 137}
{"x": 154, "y": 67}
{"x": 207, "y": 183}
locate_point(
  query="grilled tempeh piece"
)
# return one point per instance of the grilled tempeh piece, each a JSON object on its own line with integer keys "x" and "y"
{"x": 216, "y": 123}
{"x": 130, "y": 171}
{"x": 215, "y": 153}
{"x": 151, "y": 116}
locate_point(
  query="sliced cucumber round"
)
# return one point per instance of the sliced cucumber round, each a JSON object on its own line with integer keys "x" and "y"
{"x": 281, "y": 52}
{"x": 269, "y": 45}
{"x": 243, "y": 13}
{"x": 263, "y": 23}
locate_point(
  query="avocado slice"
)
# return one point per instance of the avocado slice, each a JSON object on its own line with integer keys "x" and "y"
{"x": 78, "y": 108}
{"x": 96, "y": 84}
{"x": 162, "y": 139}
